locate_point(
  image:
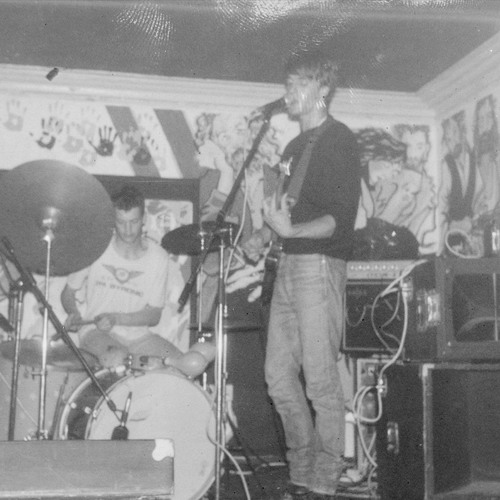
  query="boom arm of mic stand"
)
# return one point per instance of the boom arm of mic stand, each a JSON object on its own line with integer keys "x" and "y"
{"x": 29, "y": 282}
{"x": 219, "y": 221}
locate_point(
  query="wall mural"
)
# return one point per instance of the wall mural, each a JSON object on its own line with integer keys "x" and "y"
{"x": 470, "y": 185}
{"x": 142, "y": 141}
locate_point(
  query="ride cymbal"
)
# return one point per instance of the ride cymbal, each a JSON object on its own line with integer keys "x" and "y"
{"x": 48, "y": 199}
{"x": 193, "y": 238}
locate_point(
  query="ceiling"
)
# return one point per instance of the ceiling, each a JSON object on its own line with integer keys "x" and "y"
{"x": 393, "y": 45}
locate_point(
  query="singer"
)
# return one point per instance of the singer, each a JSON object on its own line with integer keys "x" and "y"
{"x": 315, "y": 221}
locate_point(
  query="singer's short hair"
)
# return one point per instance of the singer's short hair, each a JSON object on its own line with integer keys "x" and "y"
{"x": 127, "y": 198}
{"x": 317, "y": 66}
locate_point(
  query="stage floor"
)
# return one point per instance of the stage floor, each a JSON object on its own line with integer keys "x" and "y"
{"x": 268, "y": 480}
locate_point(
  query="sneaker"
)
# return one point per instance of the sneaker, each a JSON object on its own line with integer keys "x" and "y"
{"x": 295, "y": 492}
{"x": 320, "y": 496}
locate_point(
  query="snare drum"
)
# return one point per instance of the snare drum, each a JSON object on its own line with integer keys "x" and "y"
{"x": 164, "y": 404}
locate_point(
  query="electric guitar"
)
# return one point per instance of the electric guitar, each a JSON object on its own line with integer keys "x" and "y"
{"x": 293, "y": 191}
{"x": 276, "y": 245}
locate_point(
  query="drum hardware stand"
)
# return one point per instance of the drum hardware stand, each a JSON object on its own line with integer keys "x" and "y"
{"x": 29, "y": 283}
{"x": 16, "y": 300}
{"x": 220, "y": 337}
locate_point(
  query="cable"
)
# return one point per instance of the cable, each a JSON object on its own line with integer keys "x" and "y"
{"x": 475, "y": 251}
{"x": 362, "y": 392}
{"x": 226, "y": 452}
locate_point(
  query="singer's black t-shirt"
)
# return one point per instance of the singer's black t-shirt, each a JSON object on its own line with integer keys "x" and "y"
{"x": 331, "y": 186}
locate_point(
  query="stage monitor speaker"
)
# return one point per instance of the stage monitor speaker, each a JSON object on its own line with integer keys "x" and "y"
{"x": 438, "y": 436}
{"x": 87, "y": 469}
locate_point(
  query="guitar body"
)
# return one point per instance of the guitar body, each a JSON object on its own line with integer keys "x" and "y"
{"x": 276, "y": 247}
{"x": 270, "y": 270}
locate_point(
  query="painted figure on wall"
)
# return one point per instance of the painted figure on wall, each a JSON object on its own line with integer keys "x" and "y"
{"x": 422, "y": 222}
{"x": 461, "y": 195}
{"x": 223, "y": 143}
{"x": 487, "y": 150}
{"x": 396, "y": 187}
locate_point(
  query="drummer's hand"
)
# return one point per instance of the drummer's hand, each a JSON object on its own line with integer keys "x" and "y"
{"x": 73, "y": 322}
{"x": 105, "y": 322}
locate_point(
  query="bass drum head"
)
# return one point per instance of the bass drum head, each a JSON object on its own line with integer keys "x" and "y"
{"x": 165, "y": 405}
{"x": 72, "y": 418}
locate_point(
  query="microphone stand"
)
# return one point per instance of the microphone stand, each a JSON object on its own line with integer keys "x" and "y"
{"x": 220, "y": 338}
{"x": 28, "y": 282}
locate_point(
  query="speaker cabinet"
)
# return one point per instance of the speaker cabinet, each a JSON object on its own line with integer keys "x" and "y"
{"x": 87, "y": 469}
{"x": 438, "y": 437}
{"x": 372, "y": 326}
{"x": 453, "y": 311}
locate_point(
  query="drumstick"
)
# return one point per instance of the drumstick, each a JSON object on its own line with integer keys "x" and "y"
{"x": 83, "y": 322}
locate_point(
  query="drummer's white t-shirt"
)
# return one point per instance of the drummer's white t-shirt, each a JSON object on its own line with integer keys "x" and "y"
{"x": 115, "y": 284}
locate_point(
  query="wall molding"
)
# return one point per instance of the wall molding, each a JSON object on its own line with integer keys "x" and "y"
{"x": 181, "y": 93}
{"x": 465, "y": 81}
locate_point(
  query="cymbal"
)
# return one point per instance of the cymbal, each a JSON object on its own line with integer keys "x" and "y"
{"x": 58, "y": 201}
{"x": 60, "y": 356}
{"x": 192, "y": 238}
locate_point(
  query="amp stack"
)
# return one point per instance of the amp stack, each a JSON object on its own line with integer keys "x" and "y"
{"x": 437, "y": 435}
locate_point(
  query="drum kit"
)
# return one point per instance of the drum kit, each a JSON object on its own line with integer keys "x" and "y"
{"x": 56, "y": 219}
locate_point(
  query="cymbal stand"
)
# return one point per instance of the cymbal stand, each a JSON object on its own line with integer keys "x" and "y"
{"x": 48, "y": 223}
{"x": 220, "y": 368}
{"x": 16, "y": 302}
{"x": 31, "y": 285}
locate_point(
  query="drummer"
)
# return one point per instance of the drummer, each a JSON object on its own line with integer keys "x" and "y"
{"x": 113, "y": 303}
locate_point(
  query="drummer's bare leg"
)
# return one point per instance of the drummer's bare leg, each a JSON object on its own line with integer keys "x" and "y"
{"x": 106, "y": 348}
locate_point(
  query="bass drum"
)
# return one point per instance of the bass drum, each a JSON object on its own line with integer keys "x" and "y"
{"x": 164, "y": 404}
{"x": 72, "y": 418}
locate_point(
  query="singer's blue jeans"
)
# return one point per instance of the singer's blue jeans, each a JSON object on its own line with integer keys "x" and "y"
{"x": 305, "y": 329}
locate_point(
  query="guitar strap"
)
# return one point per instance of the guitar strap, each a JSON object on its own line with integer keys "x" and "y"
{"x": 299, "y": 173}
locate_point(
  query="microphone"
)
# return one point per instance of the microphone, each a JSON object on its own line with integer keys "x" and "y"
{"x": 272, "y": 107}
{"x": 120, "y": 432}
{"x": 8, "y": 245}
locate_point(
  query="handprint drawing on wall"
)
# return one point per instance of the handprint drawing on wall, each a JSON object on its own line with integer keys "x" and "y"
{"x": 74, "y": 137}
{"x": 134, "y": 147}
{"x": 51, "y": 127}
{"x": 106, "y": 141}
{"x": 15, "y": 115}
